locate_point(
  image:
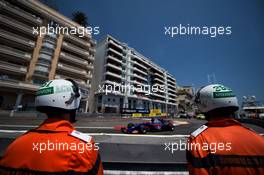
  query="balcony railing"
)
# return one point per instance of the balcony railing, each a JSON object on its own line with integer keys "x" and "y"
{"x": 140, "y": 65}
{"x": 14, "y": 53}
{"x": 173, "y": 87}
{"x": 72, "y": 70}
{"x": 78, "y": 81}
{"x": 10, "y": 83}
{"x": 78, "y": 40}
{"x": 16, "y": 24}
{"x": 112, "y": 50}
{"x": 159, "y": 80}
{"x": 172, "y": 82}
{"x": 159, "y": 75}
{"x": 140, "y": 77}
{"x": 92, "y": 50}
{"x": 172, "y": 94}
{"x": 73, "y": 59}
{"x": 75, "y": 49}
{"x": 16, "y": 39}
{"x": 135, "y": 68}
{"x": 20, "y": 13}
{"x": 113, "y": 74}
{"x": 115, "y": 59}
{"x": 113, "y": 66}
{"x": 10, "y": 67}
{"x": 157, "y": 95}
{"x": 114, "y": 43}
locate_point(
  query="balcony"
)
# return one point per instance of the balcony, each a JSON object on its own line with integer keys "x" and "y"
{"x": 90, "y": 58}
{"x": 172, "y": 99}
{"x": 140, "y": 77}
{"x": 14, "y": 54}
{"x": 172, "y": 94}
{"x": 159, "y": 80}
{"x": 78, "y": 81}
{"x": 21, "y": 14}
{"x": 158, "y": 95}
{"x": 16, "y": 40}
{"x": 159, "y": 75}
{"x": 136, "y": 69}
{"x": 113, "y": 74}
{"x": 90, "y": 67}
{"x": 114, "y": 43}
{"x": 74, "y": 60}
{"x": 77, "y": 40}
{"x": 16, "y": 24}
{"x": 113, "y": 66}
{"x": 12, "y": 68}
{"x": 75, "y": 49}
{"x": 138, "y": 83}
{"x": 157, "y": 69}
{"x": 141, "y": 60}
{"x": 173, "y": 87}
{"x": 115, "y": 59}
{"x": 170, "y": 80}
{"x": 72, "y": 71}
{"x": 93, "y": 42}
{"x": 14, "y": 84}
{"x": 92, "y": 50}
{"x": 140, "y": 65}
{"x": 112, "y": 82}
{"x": 114, "y": 51}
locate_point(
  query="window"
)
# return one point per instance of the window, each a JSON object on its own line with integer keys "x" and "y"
{"x": 100, "y": 99}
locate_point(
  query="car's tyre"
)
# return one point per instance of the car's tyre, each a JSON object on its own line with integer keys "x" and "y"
{"x": 142, "y": 130}
{"x": 123, "y": 130}
{"x": 171, "y": 128}
{"x": 158, "y": 128}
{"x": 129, "y": 125}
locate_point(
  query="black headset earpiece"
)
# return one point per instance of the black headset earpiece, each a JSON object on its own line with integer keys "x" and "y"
{"x": 75, "y": 88}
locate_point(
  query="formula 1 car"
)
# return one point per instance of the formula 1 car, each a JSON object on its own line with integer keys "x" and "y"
{"x": 156, "y": 124}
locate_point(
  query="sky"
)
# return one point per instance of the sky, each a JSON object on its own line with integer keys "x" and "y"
{"x": 237, "y": 59}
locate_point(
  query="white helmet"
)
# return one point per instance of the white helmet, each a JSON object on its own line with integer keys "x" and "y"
{"x": 58, "y": 93}
{"x": 215, "y": 96}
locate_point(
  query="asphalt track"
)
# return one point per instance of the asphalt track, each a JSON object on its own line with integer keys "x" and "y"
{"x": 117, "y": 148}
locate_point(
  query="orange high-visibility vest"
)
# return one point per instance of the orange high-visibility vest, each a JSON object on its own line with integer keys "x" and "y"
{"x": 228, "y": 148}
{"x": 38, "y": 152}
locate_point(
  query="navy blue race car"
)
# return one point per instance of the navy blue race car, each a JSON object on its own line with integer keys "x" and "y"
{"x": 156, "y": 124}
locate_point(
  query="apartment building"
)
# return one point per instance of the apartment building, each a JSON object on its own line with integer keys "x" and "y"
{"x": 118, "y": 65}
{"x": 27, "y": 59}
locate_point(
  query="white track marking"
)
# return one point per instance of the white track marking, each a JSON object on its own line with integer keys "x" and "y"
{"x": 78, "y": 127}
{"x": 13, "y": 131}
{"x": 108, "y": 134}
{"x": 113, "y": 134}
{"x": 20, "y": 126}
{"x": 118, "y": 172}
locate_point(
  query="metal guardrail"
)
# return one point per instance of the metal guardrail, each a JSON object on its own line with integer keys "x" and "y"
{"x": 257, "y": 122}
{"x": 135, "y": 166}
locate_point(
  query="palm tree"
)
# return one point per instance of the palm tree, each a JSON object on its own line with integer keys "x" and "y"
{"x": 80, "y": 18}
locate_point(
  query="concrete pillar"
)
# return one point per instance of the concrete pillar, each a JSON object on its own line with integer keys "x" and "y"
{"x": 34, "y": 60}
{"x": 55, "y": 58}
{"x": 86, "y": 106}
{"x": 18, "y": 100}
